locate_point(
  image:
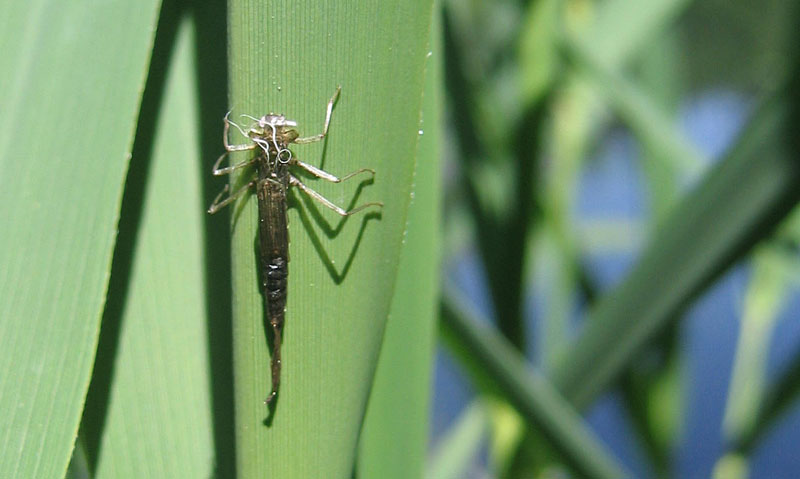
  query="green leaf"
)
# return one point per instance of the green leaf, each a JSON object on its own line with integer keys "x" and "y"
{"x": 754, "y": 414}
{"x": 395, "y": 433}
{"x": 762, "y": 304}
{"x": 593, "y": 80}
{"x": 71, "y": 77}
{"x": 158, "y": 392}
{"x": 731, "y": 466}
{"x": 663, "y": 77}
{"x": 289, "y": 57}
{"x": 459, "y": 445}
{"x": 621, "y": 27}
{"x": 538, "y": 56}
{"x": 79, "y": 464}
{"x": 637, "y": 110}
{"x": 493, "y": 361}
{"x": 736, "y": 205}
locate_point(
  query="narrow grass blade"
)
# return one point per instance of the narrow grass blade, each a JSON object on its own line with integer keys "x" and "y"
{"x": 775, "y": 276}
{"x": 289, "y": 57}
{"x": 394, "y": 438}
{"x": 458, "y": 447}
{"x": 621, "y": 27}
{"x": 664, "y": 78}
{"x": 778, "y": 400}
{"x": 71, "y": 76}
{"x": 157, "y": 394}
{"x": 532, "y": 394}
{"x": 646, "y": 120}
{"x": 538, "y": 56}
{"x": 762, "y": 304}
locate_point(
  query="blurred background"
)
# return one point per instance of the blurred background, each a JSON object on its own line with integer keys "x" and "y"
{"x": 627, "y": 165}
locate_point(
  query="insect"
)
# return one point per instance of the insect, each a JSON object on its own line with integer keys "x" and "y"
{"x": 270, "y": 136}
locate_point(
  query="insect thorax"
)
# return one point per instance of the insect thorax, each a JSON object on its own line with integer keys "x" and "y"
{"x": 275, "y": 130}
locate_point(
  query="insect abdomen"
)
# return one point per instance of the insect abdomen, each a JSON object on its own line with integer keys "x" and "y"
{"x": 276, "y": 272}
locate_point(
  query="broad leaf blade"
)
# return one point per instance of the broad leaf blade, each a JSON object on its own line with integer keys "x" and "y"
{"x": 70, "y": 82}
{"x": 288, "y": 57}
{"x": 158, "y": 393}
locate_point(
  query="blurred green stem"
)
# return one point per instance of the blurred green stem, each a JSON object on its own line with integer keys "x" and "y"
{"x": 530, "y": 393}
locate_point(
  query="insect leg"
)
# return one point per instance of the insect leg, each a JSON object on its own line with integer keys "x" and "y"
{"x": 327, "y": 176}
{"x": 226, "y": 129}
{"x": 312, "y": 139}
{"x": 326, "y": 202}
{"x": 217, "y": 171}
{"x": 217, "y": 205}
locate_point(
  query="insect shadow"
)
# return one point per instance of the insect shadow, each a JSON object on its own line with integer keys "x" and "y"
{"x": 310, "y": 211}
